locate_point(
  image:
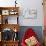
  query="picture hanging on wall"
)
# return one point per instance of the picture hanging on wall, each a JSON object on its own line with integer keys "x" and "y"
{"x": 30, "y": 13}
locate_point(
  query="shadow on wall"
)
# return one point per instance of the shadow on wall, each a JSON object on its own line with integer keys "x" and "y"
{"x": 37, "y": 29}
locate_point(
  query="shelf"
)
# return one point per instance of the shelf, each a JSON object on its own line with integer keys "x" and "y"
{"x": 17, "y": 14}
{"x": 10, "y": 26}
{"x": 4, "y": 8}
{"x": 9, "y": 11}
{"x": 9, "y": 22}
{"x": 9, "y": 19}
{"x": 5, "y": 12}
{"x": 11, "y": 41}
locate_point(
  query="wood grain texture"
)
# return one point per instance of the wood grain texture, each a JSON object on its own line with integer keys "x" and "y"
{"x": 10, "y": 43}
{"x": 11, "y": 26}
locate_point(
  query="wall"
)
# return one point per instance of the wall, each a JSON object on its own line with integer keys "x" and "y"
{"x": 7, "y": 3}
{"x": 32, "y": 4}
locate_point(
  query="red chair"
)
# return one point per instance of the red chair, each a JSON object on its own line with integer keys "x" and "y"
{"x": 29, "y": 33}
